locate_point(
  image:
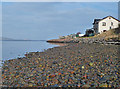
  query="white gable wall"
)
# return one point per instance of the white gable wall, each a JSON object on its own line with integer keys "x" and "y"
{"x": 108, "y": 21}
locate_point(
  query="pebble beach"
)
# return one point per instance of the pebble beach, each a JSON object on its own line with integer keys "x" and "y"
{"x": 72, "y": 65}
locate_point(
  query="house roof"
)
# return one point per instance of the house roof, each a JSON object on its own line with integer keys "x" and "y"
{"x": 98, "y": 20}
{"x": 111, "y": 17}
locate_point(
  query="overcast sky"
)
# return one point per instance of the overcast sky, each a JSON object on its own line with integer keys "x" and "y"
{"x": 49, "y": 20}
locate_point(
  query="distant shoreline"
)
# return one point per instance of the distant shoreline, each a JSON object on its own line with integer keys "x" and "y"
{"x": 22, "y": 40}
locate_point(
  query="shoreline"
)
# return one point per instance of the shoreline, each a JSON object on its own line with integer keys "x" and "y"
{"x": 69, "y": 65}
{"x": 100, "y": 40}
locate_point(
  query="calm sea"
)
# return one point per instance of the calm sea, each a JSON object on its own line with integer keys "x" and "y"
{"x": 14, "y": 49}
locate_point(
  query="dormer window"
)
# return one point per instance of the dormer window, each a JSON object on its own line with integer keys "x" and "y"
{"x": 111, "y": 23}
{"x": 104, "y": 24}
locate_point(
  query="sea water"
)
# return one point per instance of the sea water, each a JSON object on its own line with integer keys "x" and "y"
{"x": 15, "y": 49}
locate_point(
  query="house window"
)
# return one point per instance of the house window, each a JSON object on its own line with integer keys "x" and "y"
{"x": 103, "y": 24}
{"x": 110, "y": 28}
{"x": 111, "y": 23}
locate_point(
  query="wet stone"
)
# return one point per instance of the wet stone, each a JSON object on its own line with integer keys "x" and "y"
{"x": 93, "y": 66}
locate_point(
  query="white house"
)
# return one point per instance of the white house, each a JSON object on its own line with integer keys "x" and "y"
{"x": 80, "y": 35}
{"x": 107, "y": 23}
